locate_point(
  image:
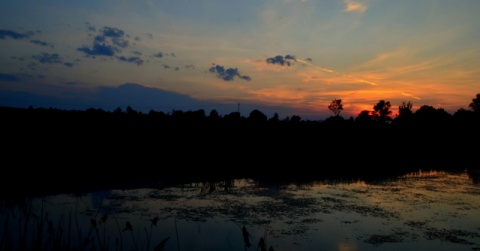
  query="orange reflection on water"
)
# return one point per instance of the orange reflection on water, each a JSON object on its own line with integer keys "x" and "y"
{"x": 346, "y": 246}
{"x": 422, "y": 174}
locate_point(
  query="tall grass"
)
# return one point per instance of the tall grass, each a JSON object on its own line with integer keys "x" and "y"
{"x": 26, "y": 229}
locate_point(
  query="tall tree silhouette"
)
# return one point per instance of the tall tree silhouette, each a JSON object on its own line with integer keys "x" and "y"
{"x": 381, "y": 111}
{"x": 405, "y": 109}
{"x": 336, "y": 106}
{"x": 405, "y": 114}
{"x": 475, "y": 105}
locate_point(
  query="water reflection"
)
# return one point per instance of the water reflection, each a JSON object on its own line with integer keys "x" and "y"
{"x": 423, "y": 210}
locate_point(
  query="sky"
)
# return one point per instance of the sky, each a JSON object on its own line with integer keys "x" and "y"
{"x": 290, "y": 57}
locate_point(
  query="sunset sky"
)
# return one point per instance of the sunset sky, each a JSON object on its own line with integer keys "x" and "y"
{"x": 289, "y": 56}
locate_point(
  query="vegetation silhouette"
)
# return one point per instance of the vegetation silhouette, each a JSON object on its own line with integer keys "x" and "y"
{"x": 336, "y": 106}
{"x": 246, "y": 237}
{"x": 51, "y": 150}
{"x": 29, "y": 228}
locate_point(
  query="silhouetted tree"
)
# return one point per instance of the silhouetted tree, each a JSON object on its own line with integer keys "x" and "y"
{"x": 464, "y": 117}
{"x": 334, "y": 120}
{"x": 257, "y": 116}
{"x": 475, "y": 105}
{"x": 429, "y": 115}
{"x": 364, "y": 116}
{"x": 336, "y": 106}
{"x": 381, "y": 111}
{"x": 405, "y": 109}
{"x": 131, "y": 111}
{"x": 405, "y": 114}
{"x": 274, "y": 118}
{"x": 195, "y": 116}
{"x": 295, "y": 119}
{"x": 214, "y": 114}
{"x": 233, "y": 119}
{"x": 177, "y": 114}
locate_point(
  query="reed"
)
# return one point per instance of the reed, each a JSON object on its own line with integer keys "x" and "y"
{"x": 26, "y": 229}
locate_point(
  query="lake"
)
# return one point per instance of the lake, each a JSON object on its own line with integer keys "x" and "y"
{"x": 432, "y": 210}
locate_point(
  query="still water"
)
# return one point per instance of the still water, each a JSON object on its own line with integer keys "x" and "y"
{"x": 432, "y": 210}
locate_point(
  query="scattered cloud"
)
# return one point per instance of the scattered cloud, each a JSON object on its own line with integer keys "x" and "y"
{"x": 47, "y": 58}
{"x": 281, "y": 60}
{"x": 227, "y": 74}
{"x": 175, "y": 68}
{"x": 8, "y": 77}
{"x": 41, "y": 43}
{"x": 4, "y": 34}
{"x": 353, "y": 6}
{"x": 113, "y": 32}
{"x": 116, "y": 36}
{"x": 98, "y": 50}
{"x": 136, "y": 60}
{"x": 90, "y": 27}
{"x": 109, "y": 42}
{"x": 161, "y": 55}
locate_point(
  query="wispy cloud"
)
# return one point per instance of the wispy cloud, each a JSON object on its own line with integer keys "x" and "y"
{"x": 397, "y": 55}
{"x": 410, "y": 95}
{"x": 337, "y": 74}
{"x": 352, "y": 6}
{"x": 283, "y": 93}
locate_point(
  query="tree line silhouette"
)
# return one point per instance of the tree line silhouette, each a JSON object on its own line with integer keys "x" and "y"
{"x": 97, "y": 147}
{"x": 131, "y": 119}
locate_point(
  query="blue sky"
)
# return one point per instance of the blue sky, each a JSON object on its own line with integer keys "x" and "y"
{"x": 292, "y": 57}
